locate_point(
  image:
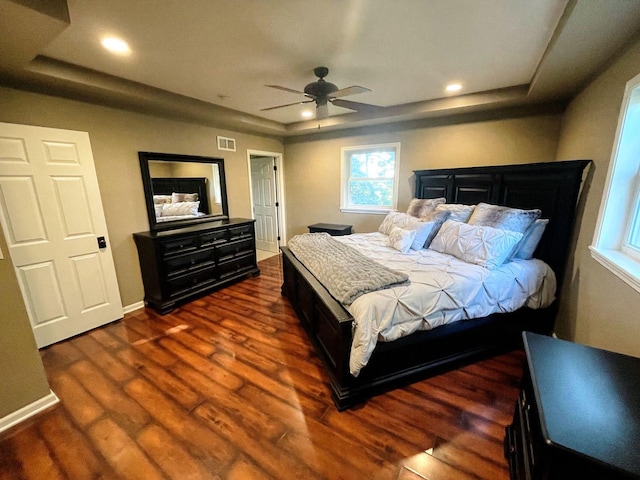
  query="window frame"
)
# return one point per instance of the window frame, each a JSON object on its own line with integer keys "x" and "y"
{"x": 620, "y": 205}
{"x": 345, "y": 176}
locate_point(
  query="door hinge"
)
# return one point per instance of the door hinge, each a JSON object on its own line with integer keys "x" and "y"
{"x": 278, "y": 238}
{"x": 277, "y": 204}
{"x": 275, "y": 167}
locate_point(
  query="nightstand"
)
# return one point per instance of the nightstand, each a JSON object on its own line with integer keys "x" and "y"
{"x": 330, "y": 228}
{"x": 577, "y": 415}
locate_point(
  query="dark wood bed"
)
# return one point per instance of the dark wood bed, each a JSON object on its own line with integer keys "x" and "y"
{"x": 552, "y": 187}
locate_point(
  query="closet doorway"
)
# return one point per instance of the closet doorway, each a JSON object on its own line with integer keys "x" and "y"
{"x": 267, "y": 200}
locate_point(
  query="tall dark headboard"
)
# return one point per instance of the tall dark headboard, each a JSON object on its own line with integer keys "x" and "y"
{"x": 166, "y": 186}
{"x": 553, "y": 187}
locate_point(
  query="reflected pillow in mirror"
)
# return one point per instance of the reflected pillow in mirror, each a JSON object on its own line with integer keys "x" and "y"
{"x": 158, "y": 208}
{"x": 180, "y": 209}
{"x": 184, "y": 197}
{"x": 160, "y": 199}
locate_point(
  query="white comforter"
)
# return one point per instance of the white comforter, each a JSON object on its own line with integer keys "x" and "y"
{"x": 443, "y": 289}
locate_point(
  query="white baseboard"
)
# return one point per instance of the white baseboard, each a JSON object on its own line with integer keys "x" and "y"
{"x": 132, "y": 307}
{"x": 28, "y": 411}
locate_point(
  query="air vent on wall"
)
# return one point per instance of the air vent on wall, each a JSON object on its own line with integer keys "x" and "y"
{"x": 225, "y": 143}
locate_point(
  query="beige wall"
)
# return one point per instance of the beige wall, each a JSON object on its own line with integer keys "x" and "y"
{"x": 312, "y": 169}
{"x": 22, "y": 377}
{"x": 116, "y": 137}
{"x": 598, "y": 308}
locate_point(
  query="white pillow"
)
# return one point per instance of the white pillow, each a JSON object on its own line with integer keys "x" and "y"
{"x": 531, "y": 239}
{"x": 458, "y": 211}
{"x": 387, "y": 223}
{"x": 485, "y": 246}
{"x": 180, "y": 208}
{"x": 423, "y": 230}
{"x": 408, "y": 222}
{"x": 158, "y": 209}
{"x": 401, "y": 239}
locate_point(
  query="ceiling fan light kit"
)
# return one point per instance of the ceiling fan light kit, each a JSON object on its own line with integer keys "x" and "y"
{"x": 322, "y": 92}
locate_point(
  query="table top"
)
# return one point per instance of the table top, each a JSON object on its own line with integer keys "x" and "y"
{"x": 330, "y": 226}
{"x": 588, "y": 399}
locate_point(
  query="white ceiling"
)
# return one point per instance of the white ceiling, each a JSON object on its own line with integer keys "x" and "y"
{"x": 224, "y": 52}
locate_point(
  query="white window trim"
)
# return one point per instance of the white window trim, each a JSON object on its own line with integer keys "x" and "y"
{"x": 618, "y": 202}
{"x": 344, "y": 177}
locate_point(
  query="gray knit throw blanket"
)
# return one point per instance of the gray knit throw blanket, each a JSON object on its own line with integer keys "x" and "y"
{"x": 344, "y": 272}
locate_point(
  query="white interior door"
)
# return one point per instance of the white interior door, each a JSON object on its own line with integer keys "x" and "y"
{"x": 263, "y": 190}
{"x": 52, "y": 218}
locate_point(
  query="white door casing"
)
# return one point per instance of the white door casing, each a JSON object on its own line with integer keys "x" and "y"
{"x": 263, "y": 190}
{"x": 51, "y": 214}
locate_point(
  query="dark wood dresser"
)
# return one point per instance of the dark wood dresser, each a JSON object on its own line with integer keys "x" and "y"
{"x": 182, "y": 264}
{"x": 578, "y": 413}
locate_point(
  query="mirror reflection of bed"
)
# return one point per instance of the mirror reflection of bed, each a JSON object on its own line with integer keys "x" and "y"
{"x": 185, "y": 189}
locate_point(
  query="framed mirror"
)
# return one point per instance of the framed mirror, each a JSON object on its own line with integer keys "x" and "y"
{"x": 182, "y": 190}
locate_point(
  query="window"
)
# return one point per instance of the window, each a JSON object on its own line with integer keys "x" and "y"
{"x": 616, "y": 243}
{"x": 370, "y": 178}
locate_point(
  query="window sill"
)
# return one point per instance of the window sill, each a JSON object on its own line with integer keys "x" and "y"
{"x": 366, "y": 210}
{"x": 621, "y": 265}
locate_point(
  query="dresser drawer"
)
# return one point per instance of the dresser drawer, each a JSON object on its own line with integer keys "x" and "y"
{"x": 237, "y": 266}
{"x": 232, "y": 250}
{"x": 177, "y": 264}
{"x": 183, "y": 284}
{"x": 178, "y": 245}
{"x": 214, "y": 238}
{"x": 240, "y": 232}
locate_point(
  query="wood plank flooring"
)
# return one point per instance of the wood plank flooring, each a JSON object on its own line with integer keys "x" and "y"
{"x": 228, "y": 387}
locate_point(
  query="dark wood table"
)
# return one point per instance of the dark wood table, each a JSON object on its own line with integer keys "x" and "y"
{"x": 578, "y": 414}
{"x": 330, "y": 228}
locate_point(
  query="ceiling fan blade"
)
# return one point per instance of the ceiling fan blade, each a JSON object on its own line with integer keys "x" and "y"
{"x": 285, "y": 89}
{"x": 352, "y": 90}
{"x": 287, "y": 105}
{"x": 357, "y": 106}
{"x": 322, "y": 111}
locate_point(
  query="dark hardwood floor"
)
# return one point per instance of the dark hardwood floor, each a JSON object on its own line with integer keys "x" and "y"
{"x": 228, "y": 387}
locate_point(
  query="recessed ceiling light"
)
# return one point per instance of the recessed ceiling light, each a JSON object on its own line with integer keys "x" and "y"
{"x": 307, "y": 113}
{"x": 453, "y": 87}
{"x": 116, "y": 45}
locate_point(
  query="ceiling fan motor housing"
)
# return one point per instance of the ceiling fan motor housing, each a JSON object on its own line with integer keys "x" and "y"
{"x": 323, "y": 92}
{"x": 320, "y": 89}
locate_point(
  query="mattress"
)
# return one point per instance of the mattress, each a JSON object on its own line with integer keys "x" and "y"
{"x": 442, "y": 290}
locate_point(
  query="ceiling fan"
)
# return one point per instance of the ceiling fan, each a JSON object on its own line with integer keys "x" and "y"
{"x": 323, "y": 92}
